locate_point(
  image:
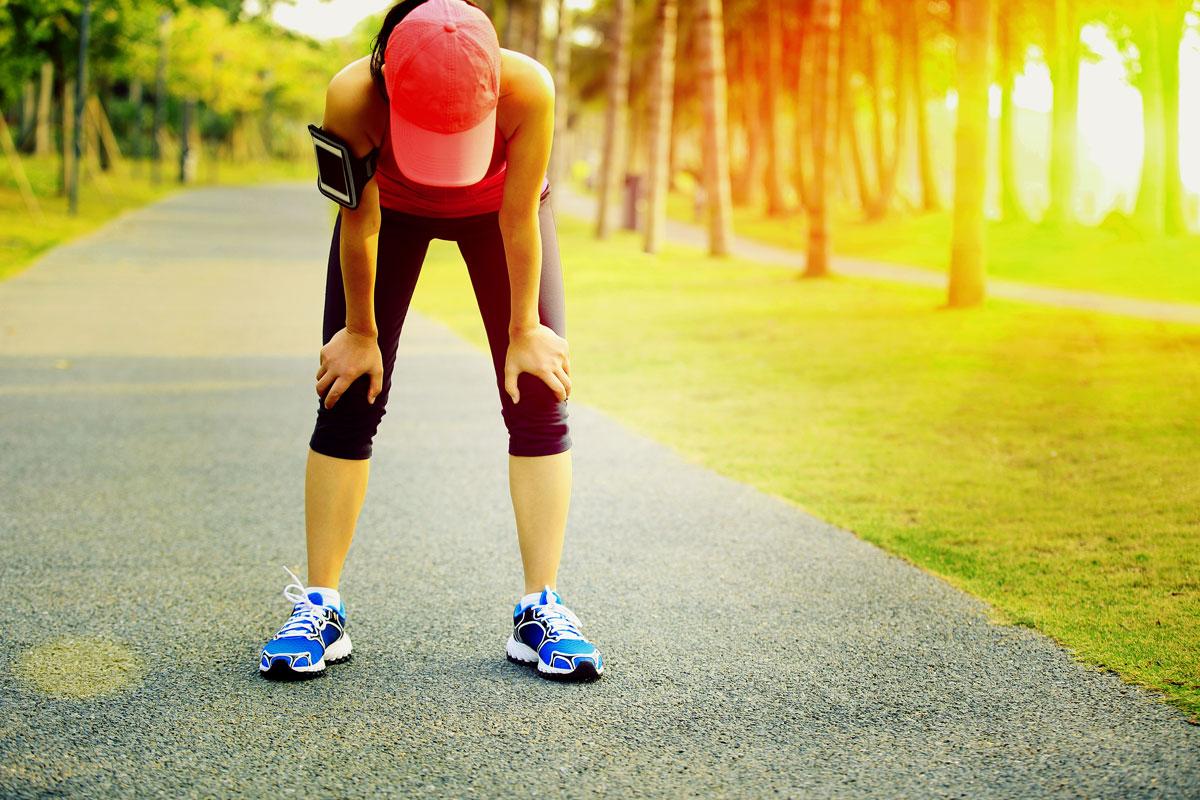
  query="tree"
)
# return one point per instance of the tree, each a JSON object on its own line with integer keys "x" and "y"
{"x": 661, "y": 101}
{"x": 930, "y": 196}
{"x": 1009, "y": 53}
{"x": 1149, "y": 211}
{"x": 747, "y": 184}
{"x": 826, "y": 20}
{"x": 1157, "y": 28}
{"x": 888, "y": 168}
{"x": 711, "y": 45}
{"x": 773, "y": 36}
{"x": 561, "y": 69}
{"x": 1063, "y": 59}
{"x": 1171, "y": 19}
{"x": 616, "y": 117}
{"x": 972, "y": 20}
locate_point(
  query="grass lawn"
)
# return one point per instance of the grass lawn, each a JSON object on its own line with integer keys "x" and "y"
{"x": 1042, "y": 460}
{"x": 1092, "y": 259}
{"x": 23, "y": 239}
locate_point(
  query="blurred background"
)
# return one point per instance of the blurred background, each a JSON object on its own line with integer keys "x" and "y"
{"x": 1091, "y": 104}
{"x": 925, "y": 154}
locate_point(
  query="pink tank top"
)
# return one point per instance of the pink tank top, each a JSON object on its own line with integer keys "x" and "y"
{"x": 401, "y": 194}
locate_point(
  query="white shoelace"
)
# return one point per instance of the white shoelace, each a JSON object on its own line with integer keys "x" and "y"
{"x": 307, "y": 617}
{"x": 561, "y": 621}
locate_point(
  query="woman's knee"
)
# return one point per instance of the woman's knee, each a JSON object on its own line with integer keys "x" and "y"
{"x": 537, "y": 426}
{"x": 348, "y": 429}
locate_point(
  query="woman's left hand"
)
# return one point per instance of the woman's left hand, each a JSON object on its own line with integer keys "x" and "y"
{"x": 541, "y": 352}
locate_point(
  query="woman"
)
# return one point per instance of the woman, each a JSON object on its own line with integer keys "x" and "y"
{"x": 462, "y": 132}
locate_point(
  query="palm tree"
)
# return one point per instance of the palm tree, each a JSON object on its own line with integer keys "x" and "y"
{"x": 770, "y": 120}
{"x": 1009, "y": 56}
{"x": 1064, "y": 74}
{"x": 826, "y": 20}
{"x": 661, "y": 101}
{"x": 930, "y": 197}
{"x": 1171, "y": 25}
{"x": 972, "y": 23}
{"x": 1149, "y": 210}
{"x": 616, "y": 118}
{"x": 710, "y": 39}
{"x": 561, "y": 69}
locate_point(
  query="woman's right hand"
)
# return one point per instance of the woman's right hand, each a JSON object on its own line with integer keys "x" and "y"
{"x": 347, "y": 356}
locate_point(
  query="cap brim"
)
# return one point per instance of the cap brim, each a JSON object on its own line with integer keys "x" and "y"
{"x": 443, "y": 159}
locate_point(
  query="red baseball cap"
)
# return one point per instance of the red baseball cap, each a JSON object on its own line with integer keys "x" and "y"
{"x": 441, "y": 67}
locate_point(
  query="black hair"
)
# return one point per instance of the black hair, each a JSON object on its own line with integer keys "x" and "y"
{"x": 379, "y": 44}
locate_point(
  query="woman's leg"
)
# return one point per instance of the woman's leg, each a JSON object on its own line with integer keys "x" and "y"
{"x": 334, "y": 489}
{"x": 541, "y": 494}
{"x": 539, "y": 464}
{"x": 335, "y": 480}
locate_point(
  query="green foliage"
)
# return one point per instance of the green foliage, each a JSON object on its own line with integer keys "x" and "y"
{"x": 232, "y": 65}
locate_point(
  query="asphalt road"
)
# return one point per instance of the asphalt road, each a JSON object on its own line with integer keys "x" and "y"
{"x": 155, "y": 406}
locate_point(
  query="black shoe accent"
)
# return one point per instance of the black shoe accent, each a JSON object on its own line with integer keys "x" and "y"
{"x": 281, "y": 671}
{"x": 584, "y": 673}
{"x": 341, "y": 660}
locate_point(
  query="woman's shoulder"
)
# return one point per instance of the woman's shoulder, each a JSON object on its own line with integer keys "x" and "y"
{"x": 524, "y": 77}
{"x": 526, "y": 88}
{"x": 353, "y": 104}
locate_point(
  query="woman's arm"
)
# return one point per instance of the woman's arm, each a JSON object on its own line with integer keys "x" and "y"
{"x": 350, "y": 114}
{"x": 533, "y": 347}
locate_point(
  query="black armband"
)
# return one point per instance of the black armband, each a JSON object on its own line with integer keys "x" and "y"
{"x": 340, "y": 175}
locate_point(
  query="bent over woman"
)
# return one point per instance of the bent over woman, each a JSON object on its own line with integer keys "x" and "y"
{"x": 439, "y": 133}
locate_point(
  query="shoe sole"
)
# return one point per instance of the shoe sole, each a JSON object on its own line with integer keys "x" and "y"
{"x": 280, "y": 670}
{"x": 524, "y": 655}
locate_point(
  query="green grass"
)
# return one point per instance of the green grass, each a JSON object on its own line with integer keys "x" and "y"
{"x": 1042, "y": 460}
{"x": 23, "y": 239}
{"x": 1092, "y": 259}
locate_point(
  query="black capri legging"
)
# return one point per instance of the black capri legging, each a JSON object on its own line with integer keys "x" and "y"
{"x": 537, "y": 426}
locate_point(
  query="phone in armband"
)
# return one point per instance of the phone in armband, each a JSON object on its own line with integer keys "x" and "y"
{"x": 341, "y": 176}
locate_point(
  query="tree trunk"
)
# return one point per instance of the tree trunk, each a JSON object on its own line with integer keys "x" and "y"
{"x": 1064, "y": 66}
{"x": 803, "y": 144}
{"x": 160, "y": 98}
{"x": 773, "y": 36}
{"x": 42, "y": 145}
{"x": 616, "y": 118}
{"x": 28, "y": 113}
{"x": 889, "y": 168}
{"x": 1170, "y": 33}
{"x": 535, "y": 29}
{"x": 661, "y": 102}
{"x": 559, "y": 168}
{"x": 1149, "y": 209}
{"x": 826, "y": 20}
{"x": 747, "y": 189}
{"x": 512, "y": 24}
{"x": 847, "y": 102}
{"x": 711, "y": 59}
{"x": 931, "y": 197}
{"x": 68, "y": 139}
{"x": 972, "y": 20}
{"x": 1010, "y": 201}
{"x": 875, "y": 82}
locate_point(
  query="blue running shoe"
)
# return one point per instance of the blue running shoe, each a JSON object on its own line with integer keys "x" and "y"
{"x": 546, "y": 636}
{"x": 315, "y": 635}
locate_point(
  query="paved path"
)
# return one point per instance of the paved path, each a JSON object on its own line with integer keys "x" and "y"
{"x": 686, "y": 233}
{"x": 155, "y": 404}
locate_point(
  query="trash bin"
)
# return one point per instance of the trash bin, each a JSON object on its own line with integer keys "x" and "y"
{"x": 632, "y": 217}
